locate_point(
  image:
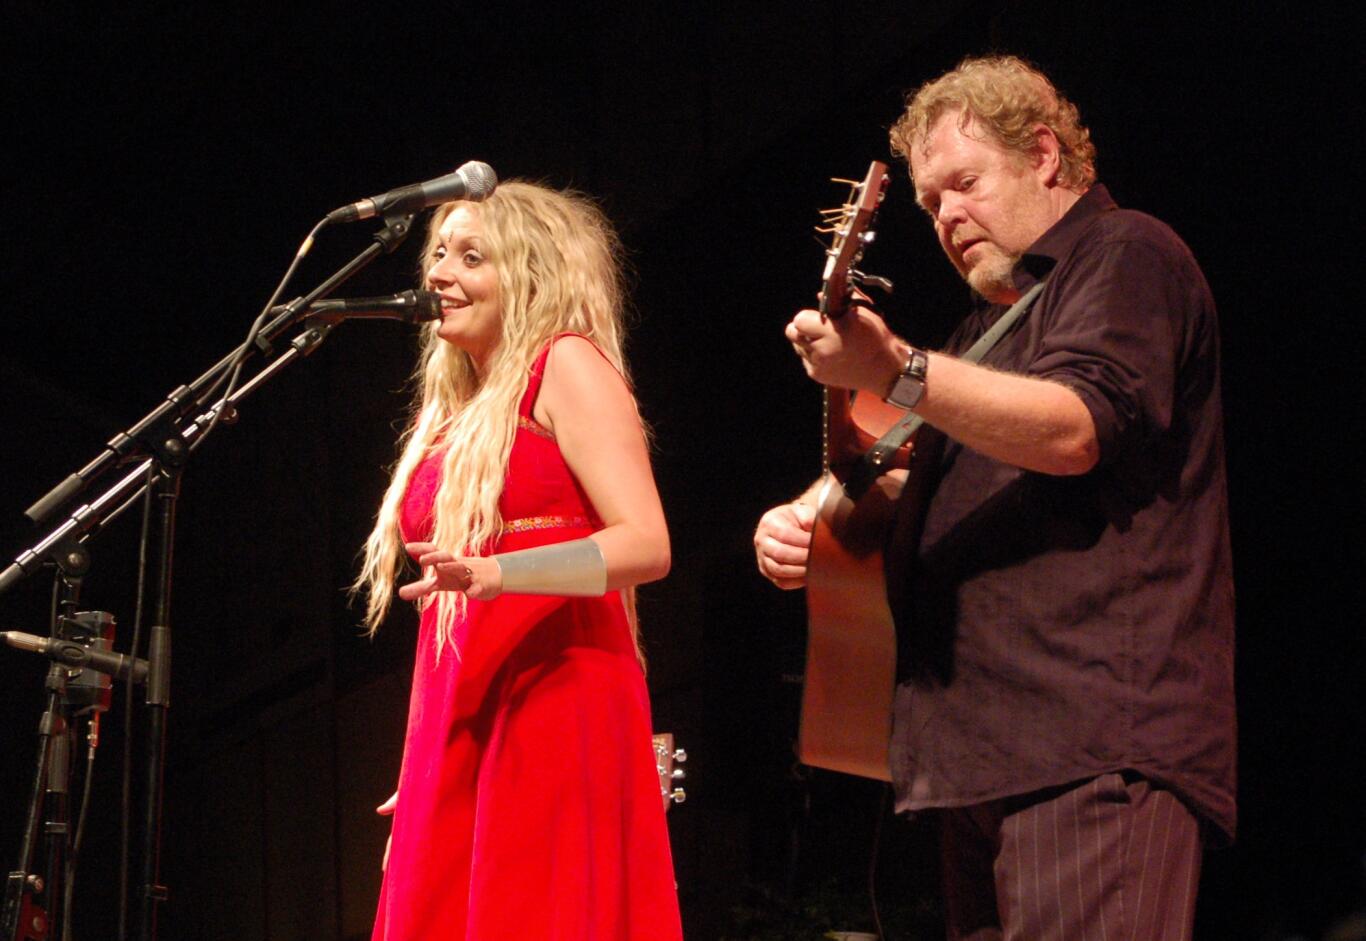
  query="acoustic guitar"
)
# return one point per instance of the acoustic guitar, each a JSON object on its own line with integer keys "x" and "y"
{"x": 850, "y": 677}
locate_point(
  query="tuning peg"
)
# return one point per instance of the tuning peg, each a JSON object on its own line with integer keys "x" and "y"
{"x": 678, "y": 795}
{"x": 680, "y": 755}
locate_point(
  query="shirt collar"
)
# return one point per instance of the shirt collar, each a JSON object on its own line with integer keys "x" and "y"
{"x": 1040, "y": 258}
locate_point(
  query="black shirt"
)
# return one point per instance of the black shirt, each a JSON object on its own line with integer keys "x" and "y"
{"x": 1063, "y": 627}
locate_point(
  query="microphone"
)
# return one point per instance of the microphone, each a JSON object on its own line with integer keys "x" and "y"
{"x": 474, "y": 181}
{"x": 408, "y": 306}
{"x": 77, "y": 655}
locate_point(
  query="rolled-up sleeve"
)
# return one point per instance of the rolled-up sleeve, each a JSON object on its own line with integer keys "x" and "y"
{"x": 1117, "y": 340}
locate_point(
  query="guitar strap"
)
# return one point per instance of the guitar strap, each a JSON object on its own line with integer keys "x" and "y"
{"x": 870, "y": 465}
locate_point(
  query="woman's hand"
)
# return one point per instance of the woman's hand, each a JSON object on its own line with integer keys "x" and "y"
{"x": 479, "y": 578}
{"x": 386, "y": 809}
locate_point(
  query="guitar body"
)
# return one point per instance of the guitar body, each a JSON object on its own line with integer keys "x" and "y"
{"x": 846, "y": 718}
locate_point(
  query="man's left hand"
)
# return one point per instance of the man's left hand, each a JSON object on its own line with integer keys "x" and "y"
{"x": 857, "y": 351}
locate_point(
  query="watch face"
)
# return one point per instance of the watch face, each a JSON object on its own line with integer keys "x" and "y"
{"x": 910, "y": 385}
{"x": 907, "y": 391}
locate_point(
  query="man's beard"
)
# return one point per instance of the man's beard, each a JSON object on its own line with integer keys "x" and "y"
{"x": 992, "y": 277}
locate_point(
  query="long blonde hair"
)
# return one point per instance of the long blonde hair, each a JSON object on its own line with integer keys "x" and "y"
{"x": 558, "y": 264}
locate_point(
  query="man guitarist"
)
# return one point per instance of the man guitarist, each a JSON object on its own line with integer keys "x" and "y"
{"x": 1065, "y": 618}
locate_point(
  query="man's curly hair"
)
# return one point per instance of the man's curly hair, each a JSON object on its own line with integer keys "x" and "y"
{"x": 1007, "y": 97}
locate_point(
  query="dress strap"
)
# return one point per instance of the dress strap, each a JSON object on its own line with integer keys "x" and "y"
{"x": 533, "y": 386}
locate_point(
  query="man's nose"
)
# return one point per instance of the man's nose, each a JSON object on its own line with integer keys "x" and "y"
{"x": 950, "y": 210}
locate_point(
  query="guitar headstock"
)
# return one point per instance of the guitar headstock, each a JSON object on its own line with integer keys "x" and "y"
{"x": 666, "y": 756}
{"x": 850, "y": 230}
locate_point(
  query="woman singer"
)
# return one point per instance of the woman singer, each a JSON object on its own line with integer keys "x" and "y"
{"x": 528, "y": 804}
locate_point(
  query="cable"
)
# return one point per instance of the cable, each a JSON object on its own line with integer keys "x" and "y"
{"x": 883, "y": 794}
{"x": 74, "y": 851}
{"x": 234, "y": 368}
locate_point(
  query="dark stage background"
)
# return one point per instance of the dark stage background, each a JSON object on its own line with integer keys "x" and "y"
{"x": 164, "y": 162}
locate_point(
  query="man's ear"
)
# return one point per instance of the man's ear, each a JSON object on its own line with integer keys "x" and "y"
{"x": 1046, "y": 155}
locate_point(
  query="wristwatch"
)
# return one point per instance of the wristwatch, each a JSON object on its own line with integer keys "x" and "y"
{"x": 909, "y": 385}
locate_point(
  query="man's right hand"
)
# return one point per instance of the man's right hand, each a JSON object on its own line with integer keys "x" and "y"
{"x": 782, "y": 543}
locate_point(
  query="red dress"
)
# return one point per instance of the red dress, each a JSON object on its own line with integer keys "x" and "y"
{"x": 528, "y": 802}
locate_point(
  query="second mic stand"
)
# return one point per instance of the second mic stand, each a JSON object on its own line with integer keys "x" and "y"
{"x": 167, "y": 485}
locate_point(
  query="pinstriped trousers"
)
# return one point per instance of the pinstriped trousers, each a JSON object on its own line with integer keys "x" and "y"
{"x": 1116, "y": 858}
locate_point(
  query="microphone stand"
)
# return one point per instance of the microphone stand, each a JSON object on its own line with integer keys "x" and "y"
{"x": 147, "y": 434}
{"x": 168, "y": 449}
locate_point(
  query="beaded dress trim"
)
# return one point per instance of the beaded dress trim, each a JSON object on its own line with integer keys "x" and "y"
{"x": 527, "y": 523}
{"x": 534, "y": 427}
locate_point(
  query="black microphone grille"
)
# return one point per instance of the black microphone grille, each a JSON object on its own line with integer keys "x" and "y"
{"x": 480, "y": 180}
{"x": 427, "y": 306}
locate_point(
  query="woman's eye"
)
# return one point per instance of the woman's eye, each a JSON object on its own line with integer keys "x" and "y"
{"x": 438, "y": 254}
{"x": 965, "y": 184}
{"x": 472, "y": 259}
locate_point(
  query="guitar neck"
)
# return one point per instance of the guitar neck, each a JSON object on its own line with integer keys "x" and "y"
{"x": 850, "y": 228}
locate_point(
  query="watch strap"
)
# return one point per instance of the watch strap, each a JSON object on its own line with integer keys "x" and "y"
{"x": 909, "y": 384}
